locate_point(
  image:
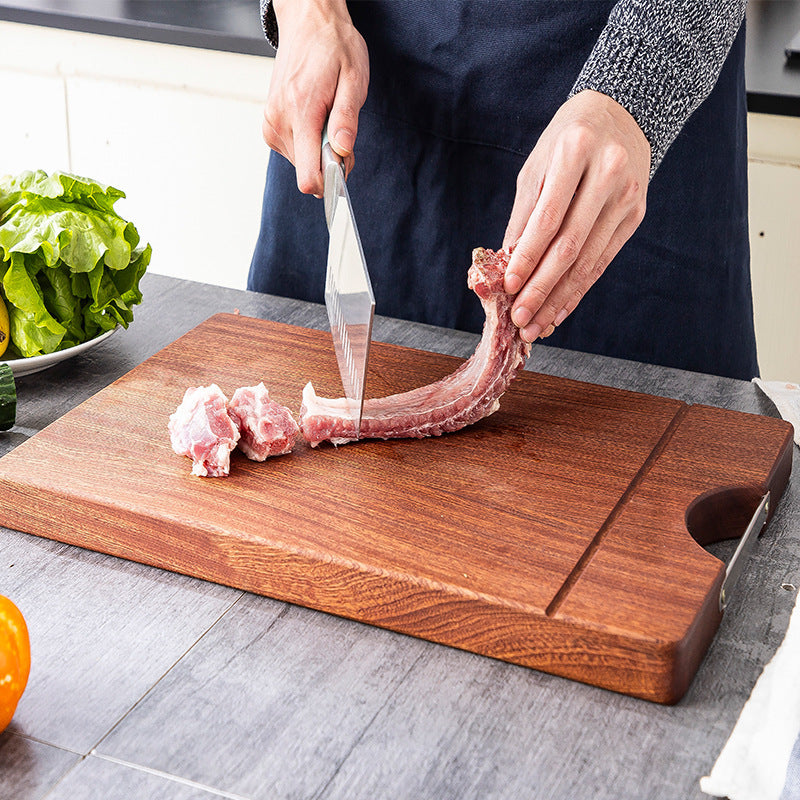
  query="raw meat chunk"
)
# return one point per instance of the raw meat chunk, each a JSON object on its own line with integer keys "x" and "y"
{"x": 267, "y": 428}
{"x": 469, "y": 394}
{"x": 201, "y": 429}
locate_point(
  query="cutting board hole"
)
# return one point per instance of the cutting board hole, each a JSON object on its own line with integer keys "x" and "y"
{"x": 722, "y": 513}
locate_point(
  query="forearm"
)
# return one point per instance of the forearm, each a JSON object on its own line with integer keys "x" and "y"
{"x": 660, "y": 59}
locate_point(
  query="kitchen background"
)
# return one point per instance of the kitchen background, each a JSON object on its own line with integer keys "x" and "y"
{"x": 164, "y": 100}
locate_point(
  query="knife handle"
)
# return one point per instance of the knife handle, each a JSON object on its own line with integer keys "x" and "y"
{"x": 329, "y": 155}
{"x": 331, "y": 161}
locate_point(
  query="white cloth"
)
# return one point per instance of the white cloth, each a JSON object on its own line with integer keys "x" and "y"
{"x": 786, "y": 397}
{"x": 761, "y": 759}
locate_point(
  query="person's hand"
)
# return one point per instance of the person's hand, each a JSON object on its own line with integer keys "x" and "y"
{"x": 321, "y": 68}
{"x": 580, "y": 196}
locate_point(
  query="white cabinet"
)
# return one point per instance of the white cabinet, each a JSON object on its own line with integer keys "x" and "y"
{"x": 178, "y": 129}
{"x": 774, "y": 167}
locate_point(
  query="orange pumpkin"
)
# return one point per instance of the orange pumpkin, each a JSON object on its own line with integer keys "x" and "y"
{"x": 15, "y": 659}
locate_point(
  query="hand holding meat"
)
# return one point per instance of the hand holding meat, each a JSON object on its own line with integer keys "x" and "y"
{"x": 580, "y": 196}
{"x": 321, "y": 70}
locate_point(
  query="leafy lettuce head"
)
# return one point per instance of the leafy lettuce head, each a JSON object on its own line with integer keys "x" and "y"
{"x": 70, "y": 266}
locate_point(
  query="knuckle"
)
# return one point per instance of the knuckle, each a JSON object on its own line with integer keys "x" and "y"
{"x": 586, "y": 272}
{"x": 272, "y": 141}
{"x": 536, "y": 295}
{"x": 549, "y": 309}
{"x": 524, "y": 262}
{"x": 548, "y": 219}
{"x": 615, "y": 159}
{"x": 598, "y": 267}
{"x": 269, "y": 118}
{"x": 306, "y": 183}
{"x": 566, "y": 248}
{"x": 579, "y": 136}
{"x": 575, "y": 298}
{"x": 358, "y": 83}
{"x": 346, "y": 114}
{"x": 304, "y": 186}
{"x": 583, "y": 272}
{"x": 633, "y": 194}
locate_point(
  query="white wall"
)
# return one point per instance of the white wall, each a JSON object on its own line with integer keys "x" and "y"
{"x": 178, "y": 129}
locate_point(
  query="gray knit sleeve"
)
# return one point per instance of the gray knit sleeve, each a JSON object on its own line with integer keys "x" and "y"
{"x": 660, "y": 59}
{"x": 269, "y": 23}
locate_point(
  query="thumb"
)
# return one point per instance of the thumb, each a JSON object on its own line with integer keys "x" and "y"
{"x": 343, "y": 121}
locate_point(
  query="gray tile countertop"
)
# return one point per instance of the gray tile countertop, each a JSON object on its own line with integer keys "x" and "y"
{"x": 149, "y": 684}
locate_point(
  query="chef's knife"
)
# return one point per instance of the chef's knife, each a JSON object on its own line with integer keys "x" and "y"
{"x": 348, "y": 289}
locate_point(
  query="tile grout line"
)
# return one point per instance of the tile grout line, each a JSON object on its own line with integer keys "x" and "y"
{"x": 44, "y": 742}
{"x": 81, "y": 757}
{"x": 162, "y": 676}
{"x": 168, "y": 776}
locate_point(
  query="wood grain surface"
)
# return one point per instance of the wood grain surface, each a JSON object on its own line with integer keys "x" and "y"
{"x": 552, "y": 534}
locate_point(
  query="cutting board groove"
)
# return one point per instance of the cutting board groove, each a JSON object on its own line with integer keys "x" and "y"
{"x": 597, "y": 539}
{"x": 552, "y": 534}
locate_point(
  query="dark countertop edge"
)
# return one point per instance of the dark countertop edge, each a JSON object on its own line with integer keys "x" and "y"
{"x": 780, "y": 104}
{"x": 142, "y": 30}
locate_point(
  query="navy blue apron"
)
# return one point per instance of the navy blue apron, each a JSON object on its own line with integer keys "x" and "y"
{"x": 459, "y": 94}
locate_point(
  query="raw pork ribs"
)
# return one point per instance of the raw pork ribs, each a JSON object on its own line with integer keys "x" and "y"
{"x": 206, "y": 427}
{"x": 472, "y": 392}
{"x": 201, "y": 429}
{"x": 267, "y": 428}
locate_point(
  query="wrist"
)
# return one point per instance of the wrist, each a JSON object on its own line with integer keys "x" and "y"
{"x": 288, "y": 10}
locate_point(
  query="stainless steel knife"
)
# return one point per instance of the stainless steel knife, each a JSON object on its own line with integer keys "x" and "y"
{"x": 348, "y": 290}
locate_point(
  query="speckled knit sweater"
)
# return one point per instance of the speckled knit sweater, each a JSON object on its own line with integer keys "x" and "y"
{"x": 659, "y": 59}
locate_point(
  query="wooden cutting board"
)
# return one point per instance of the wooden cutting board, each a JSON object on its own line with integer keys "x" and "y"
{"x": 552, "y": 534}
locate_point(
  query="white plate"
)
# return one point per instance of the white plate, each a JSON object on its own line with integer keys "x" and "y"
{"x": 27, "y": 366}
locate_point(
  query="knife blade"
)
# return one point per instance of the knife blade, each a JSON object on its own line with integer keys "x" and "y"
{"x": 349, "y": 299}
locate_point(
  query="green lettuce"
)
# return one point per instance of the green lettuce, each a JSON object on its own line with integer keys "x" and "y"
{"x": 70, "y": 266}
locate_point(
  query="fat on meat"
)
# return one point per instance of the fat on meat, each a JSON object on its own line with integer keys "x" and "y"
{"x": 469, "y": 394}
{"x": 266, "y": 427}
{"x": 202, "y": 429}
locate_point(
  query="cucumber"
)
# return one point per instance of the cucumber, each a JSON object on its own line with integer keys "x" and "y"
{"x": 8, "y": 398}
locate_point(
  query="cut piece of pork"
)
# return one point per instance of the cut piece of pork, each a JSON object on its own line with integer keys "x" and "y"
{"x": 467, "y": 395}
{"x": 201, "y": 429}
{"x": 267, "y": 428}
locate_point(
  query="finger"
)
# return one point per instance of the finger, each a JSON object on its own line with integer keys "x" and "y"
{"x": 349, "y": 163}
{"x": 564, "y": 249}
{"x": 616, "y": 224}
{"x": 307, "y": 162}
{"x": 600, "y": 250}
{"x": 560, "y": 184}
{"x": 529, "y": 188}
{"x": 343, "y": 119}
{"x": 577, "y": 290}
{"x": 273, "y": 138}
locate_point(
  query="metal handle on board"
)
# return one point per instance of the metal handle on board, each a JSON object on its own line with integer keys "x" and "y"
{"x": 746, "y": 544}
